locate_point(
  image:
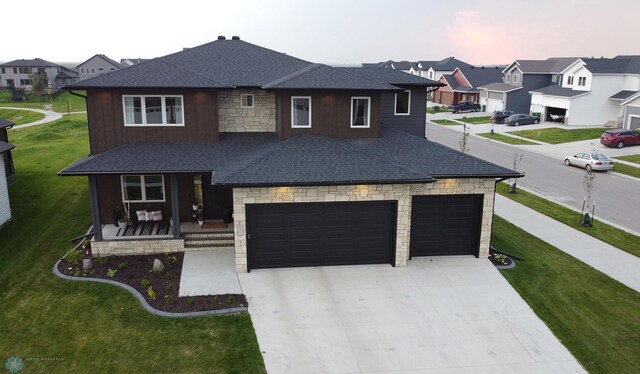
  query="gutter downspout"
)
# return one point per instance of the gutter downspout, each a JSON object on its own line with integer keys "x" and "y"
{"x": 86, "y": 104}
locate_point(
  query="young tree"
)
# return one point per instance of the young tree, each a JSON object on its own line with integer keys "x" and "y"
{"x": 589, "y": 183}
{"x": 38, "y": 83}
{"x": 464, "y": 147}
{"x": 517, "y": 158}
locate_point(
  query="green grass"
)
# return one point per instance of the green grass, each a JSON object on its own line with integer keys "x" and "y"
{"x": 594, "y": 316}
{"x": 608, "y": 234}
{"x": 92, "y": 327}
{"x": 556, "y": 136}
{"x": 629, "y": 170}
{"x": 444, "y": 122}
{"x": 20, "y": 117}
{"x": 632, "y": 158}
{"x": 476, "y": 120}
{"x": 505, "y": 138}
{"x": 76, "y": 104}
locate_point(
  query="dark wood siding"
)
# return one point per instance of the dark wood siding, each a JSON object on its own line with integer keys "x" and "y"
{"x": 414, "y": 123}
{"x": 106, "y": 119}
{"x": 330, "y": 115}
{"x": 110, "y": 194}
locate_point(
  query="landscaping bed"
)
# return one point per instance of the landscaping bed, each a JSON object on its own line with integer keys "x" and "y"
{"x": 499, "y": 260}
{"x": 160, "y": 289}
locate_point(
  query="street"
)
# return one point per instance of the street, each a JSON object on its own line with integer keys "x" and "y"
{"x": 617, "y": 198}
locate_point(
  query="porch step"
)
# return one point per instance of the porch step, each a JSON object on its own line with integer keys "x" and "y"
{"x": 209, "y": 240}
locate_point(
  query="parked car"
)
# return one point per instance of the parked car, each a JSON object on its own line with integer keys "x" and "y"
{"x": 590, "y": 161}
{"x": 500, "y": 115}
{"x": 619, "y": 138}
{"x": 520, "y": 119}
{"x": 465, "y": 106}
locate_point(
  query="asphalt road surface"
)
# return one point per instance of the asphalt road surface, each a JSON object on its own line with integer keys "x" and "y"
{"x": 617, "y": 198}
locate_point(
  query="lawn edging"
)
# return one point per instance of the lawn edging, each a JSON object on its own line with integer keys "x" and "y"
{"x": 142, "y": 300}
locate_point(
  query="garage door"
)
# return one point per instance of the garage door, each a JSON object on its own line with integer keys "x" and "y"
{"x": 445, "y": 225}
{"x": 320, "y": 234}
{"x": 493, "y": 105}
{"x": 634, "y": 123}
{"x": 446, "y": 98}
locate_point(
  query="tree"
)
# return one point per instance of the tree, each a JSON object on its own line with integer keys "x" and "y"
{"x": 38, "y": 83}
{"x": 589, "y": 183}
{"x": 517, "y": 158}
{"x": 464, "y": 147}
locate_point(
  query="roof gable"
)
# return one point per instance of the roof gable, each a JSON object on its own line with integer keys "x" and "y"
{"x": 103, "y": 58}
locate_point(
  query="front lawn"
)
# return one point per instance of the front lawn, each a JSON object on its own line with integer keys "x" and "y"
{"x": 505, "y": 138}
{"x": 61, "y": 104}
{"x": 445, "y": 122}
{"x": 629, "y": 170}
{"x": 88, "y": 327}
{"x": 554, "y": 135}
{"x": 631, "y": 158}
{"x": 20, "y": 117}
{"x": 475, "y": 120}
{"x": 608, "y": 234}
{"x": 594, "y": 316}
{"x": 441, "y": 109}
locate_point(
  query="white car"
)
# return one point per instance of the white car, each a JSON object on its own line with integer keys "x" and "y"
{"x": 590, "y": 161}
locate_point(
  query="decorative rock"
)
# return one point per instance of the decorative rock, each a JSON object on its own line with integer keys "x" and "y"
{"x": 158, "y": 267}
{"x": 87, "y": 264}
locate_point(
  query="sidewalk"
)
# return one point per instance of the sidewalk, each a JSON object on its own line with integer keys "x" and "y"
{"x": 617, "y": 264}
{"x": 49, "y": 116}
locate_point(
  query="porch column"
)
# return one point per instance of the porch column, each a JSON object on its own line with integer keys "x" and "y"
{"x": 175, "y": 205}
{"x": 95, "y": 208}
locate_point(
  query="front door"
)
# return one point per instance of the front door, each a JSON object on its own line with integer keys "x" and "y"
{"x": 215, "y": 199}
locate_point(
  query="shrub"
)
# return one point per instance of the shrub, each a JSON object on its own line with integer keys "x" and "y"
{"x": 169, "y": 299}
{"x": 189, "y": 300}
{"x": 145, "y": 283}
{"x": 74, "y": 256}
{"x": 151, "y": 293}
{"x": 214, "y": 300}
{"x": 77, "y": 272}
{"x": 100, "y": 261}
{"x": 231, "y": 299}
{"x": 122, "y": 265}
{"x": 111, "y": 273}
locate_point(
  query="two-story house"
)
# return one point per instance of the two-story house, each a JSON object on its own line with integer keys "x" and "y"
{"x": 96, "y": 65}
{"x": 6, "y": 171}
{"x": 18, "y": 73}
{"x": 318, "y": 165}
{"x": 462, "y": 84}
{"x": 518, "y": 79}
{"x": 592, "y": 92}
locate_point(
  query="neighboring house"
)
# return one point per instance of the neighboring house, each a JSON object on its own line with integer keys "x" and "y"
{"x": 309, "y": 158}
{"x": 9, "y": 170}
{"x": 519, "y": 78}
{"x": 631, "y": 112}
{"x": 462, "y": 84}
{"x": 132, "y": 61}
{"x": 17, "y": 73}
{"x": 6, "y": 171}
{"x": 435, "y": 69}
{"x": 592, "y": 92}
{"x": 96, "y": 65}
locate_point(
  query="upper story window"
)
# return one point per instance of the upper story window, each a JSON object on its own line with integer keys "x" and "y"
{"x": 570, "y": 80}
{"x": 2, "y": 70}
{"x": 112, "y": 69}
{"x": 582, "y": 81}
{"x": 93, "y": 70}
{"x": 100, "y": 69}
{"x": 153, "y": 110}
{"x": 516, "y": 78}
{"x": 430, "y": 75}
{"x": 301, "y": 111}
{"x": 22, "y": 70}
{"x": 142, "y": 188}
{"x": 403, "y": 103}
{"x": 507, "y": 78}
{"x": 360, "y": 112}
{"x": 246, "y": 100}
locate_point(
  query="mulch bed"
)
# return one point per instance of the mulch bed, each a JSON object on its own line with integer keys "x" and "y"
{"x": 492, "y": 257}
{"x": 132, "y": 270}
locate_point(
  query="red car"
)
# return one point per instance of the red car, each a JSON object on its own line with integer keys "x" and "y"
{"x": 619, "y": 138}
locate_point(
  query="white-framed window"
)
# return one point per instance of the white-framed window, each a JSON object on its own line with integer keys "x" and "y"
{"x": 507, "y": 78}
{"x": 153, "y": 110}
{"x": 403, "y": 103}
{"x": 300, "y": 111}
{"x": 100, "y": 69}
{"x": 82, "y": 70}
{"x": 554, "y": 78}
{"x": 582, "y": 81}
{"x": 93, "y": 70}
{"x": 430, "y": 75}
{"x": 360, "y": 111}
{"x": 516, "y": 78}
{"x": 570, "y": 80}
{"x": 142, "y": 188}
{"x": 246, "y": 100}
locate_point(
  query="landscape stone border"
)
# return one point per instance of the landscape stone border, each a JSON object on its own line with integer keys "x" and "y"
{"x": 505, "y": 267}
{"x": 144, "y": 303}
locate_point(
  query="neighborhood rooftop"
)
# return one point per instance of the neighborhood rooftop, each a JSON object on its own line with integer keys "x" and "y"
{"x": 4, "y": 146}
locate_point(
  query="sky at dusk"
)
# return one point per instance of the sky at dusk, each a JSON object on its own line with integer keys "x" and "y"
{"x": 327, "y": 31}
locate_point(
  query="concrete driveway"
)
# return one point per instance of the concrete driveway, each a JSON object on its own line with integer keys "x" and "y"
{"x": 437, "y": 315}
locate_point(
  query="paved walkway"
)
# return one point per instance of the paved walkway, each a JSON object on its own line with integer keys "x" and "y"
{"x": 617, "y": 264}
{"x": 49, "y": 116}
{"x": 209, "y": 273}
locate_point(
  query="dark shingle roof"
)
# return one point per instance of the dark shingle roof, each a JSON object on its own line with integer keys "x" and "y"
{"x": 5, "y": 123}
{"x": 36, "y": 62}
{"x": 4, "y": 146}
{"x": 556, "y": 90}
{"x": 616, "y": 65}
{"x": 479, "y": 76}
{"x": 301, "y": 160}
{"x": 391, "y": 76}
{"x": 623, "y": 95}
{"x": 105, "y": 58}
{"x": 401, "y": 65}
{"x": 553, "y": 65}
{"x": 318, "y": 76}
{"x": 500, "y": 87}
{"x": 448, "y": 64}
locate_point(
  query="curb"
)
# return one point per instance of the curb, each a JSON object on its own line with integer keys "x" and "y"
{"x": 144, "y": 303}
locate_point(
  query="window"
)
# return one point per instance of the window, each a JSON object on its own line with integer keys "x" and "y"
{"x": 360, "y": 112}
{"x": 570, "y": 80}
{"x": 10, "y": 83}
{"x": 41, "y": 70}
{"x": 82, "y": 70}
{"x": 554, "y": 78}
{"x": 25, "y": 82}
{"x": 2, "y": 70}
{"x": 142, "y": 188}
{"x": 301, "y": 111}
{"x": 15, "y": 70}
{"x": 507, "y": 78}
{"x": 582, "y": 81}
{"x": 100, "y": 69}
{"x": 516, "y": 78}
{"x": 153, "y": 110}
{"x": 430, "y": 75}
{"x": 23, "y": 70}
{"x": 93, "y": 70}
{"x": 403, "y": 103}
{"x": 246, "y": 100}
{"x": 112, "y": 69}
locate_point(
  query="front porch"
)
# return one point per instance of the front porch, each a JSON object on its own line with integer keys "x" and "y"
{"x": 162, "y": 230}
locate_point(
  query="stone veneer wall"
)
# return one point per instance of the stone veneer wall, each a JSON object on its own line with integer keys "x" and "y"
{"x": 260, "y": 118}
{"x": 401, "y": 192}
{"x": 136, "y": 247}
